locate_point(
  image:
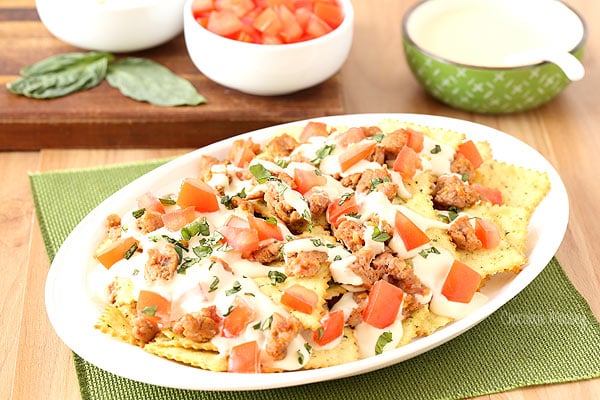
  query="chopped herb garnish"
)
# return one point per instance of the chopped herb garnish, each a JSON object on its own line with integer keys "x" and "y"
{"x": 376, "y": 182}
{"x": 282, "y": 163}
{"x": 138, "y": 213}
{"x": 266, "y": 323}
{"x": 436, "y": 149}
{"x": 380, "y": 236}
{"x": 337, "y": 258}
{"x": 131, "y": 251}
{"x": 260, "y": 173}
{"x": 167, "y": 201}
{"x": 453, "y": 213}
{"x": 308, "y": 347}
{"x": 464, "y": 177}
{"x": 317, "y": 242}
{"x": 236, "y": 288}
{"x": 382, "y": 341}
{"x": 322, "y": 153}
{"x": 276, "y": 277}
{"x": 378, "y": 137}
{"x": 300, "y": 357}
{"x": 214, "y": 285}
{"x": 229, "y": 310}
{"x": 345, "y": 197}
{"x": 354, "y": 215}
{"x": 150, "y": 310}
{"x": 320, "y": 333}
{"x": 271, "y": 220}
{"x": 195, "y": 228}
{"x": 135, "y": 272}
{"x": 425, "y": 252}
{"x": 187, "y": 262}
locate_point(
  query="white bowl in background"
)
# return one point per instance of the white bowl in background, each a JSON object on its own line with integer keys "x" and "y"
{"x": 112, "y": 25}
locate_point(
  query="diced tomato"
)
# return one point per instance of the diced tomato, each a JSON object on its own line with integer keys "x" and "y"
{"x": 241, "y": 239}
{"x": 153, "y": 305}
{"x": 492, "y": 195}
{"x": 313, "y": 128}
{"x": 268, "y": 22}
{"x": 178, "y": 218}
{"x": 302, "y": 15}
{"x": 461, "y": 283}
{"x": 265, "y": 230}
{"x": 487, "y": 232}
{"x": 332, "y": 327}
{"x": 291, "y": 30}
{"x": 355, "y": 153}
{"x": 407, "y": 162}
{"x": 200, "y": 7}
{"x": 115, "y": 251}
{"x": 300, "y": 298}
{"x": 224, "y": 23}
{"x": 241, "y": 152}
{"x": 352, "y": 135}
{"x": 383, "y": 304}
{"x": 272, "y": 21}
{"x": 469, "y": 150}
{"x": 150, "y": 202}
{"x": 415, "y": 140}
{"x": 239, "y": 7}
{"x": 331, "y": 13}
{"x": 409, "y": 232}
{"x": 237, "y": 320}
{"x": 198, "y": 194}
{"x": 306, "y": 179}
{"x": 316, "y": 27}
{"x": 237, "y": 222}
{"x": 340, "y": 207}
{"x": 244, "y": 358}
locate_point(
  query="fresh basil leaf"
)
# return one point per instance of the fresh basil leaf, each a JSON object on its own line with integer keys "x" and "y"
{"x": 61, "y": 75}
{"x": 145, "y": 80}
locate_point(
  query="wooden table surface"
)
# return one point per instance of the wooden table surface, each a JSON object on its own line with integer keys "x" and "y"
{"x": 35, "y": 364}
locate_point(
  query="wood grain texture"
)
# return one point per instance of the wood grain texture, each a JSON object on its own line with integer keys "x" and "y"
{"x": 103, "y": 117}
{"x": 35, "y": 363}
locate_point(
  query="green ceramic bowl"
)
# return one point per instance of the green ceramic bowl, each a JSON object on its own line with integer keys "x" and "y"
{"x": 472, "y": 78}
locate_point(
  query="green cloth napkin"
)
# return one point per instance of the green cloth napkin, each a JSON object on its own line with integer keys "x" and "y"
{"x": 546, "y": 334}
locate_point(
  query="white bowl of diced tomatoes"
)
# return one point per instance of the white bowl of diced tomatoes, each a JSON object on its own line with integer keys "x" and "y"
{"x": 268, "y": 47}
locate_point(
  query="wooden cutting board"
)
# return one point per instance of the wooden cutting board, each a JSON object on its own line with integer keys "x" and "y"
{"x": 103, "y": 118}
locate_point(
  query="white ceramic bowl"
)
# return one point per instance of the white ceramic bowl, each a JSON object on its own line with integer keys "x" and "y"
{"x": 112, "y": 25}
{"x": 268, "y": 69}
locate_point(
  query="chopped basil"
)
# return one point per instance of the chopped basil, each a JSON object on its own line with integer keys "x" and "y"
{"x": 135, "y": 272}
{"x": 464, "y": 177}
{"x": 170, "y": 240}
{"x": 195, "y": 228}
{"x": 138, "y": 213}
{"x": 382, "y": 341}
{"x": 227, "y": 201}
{"x": 345, "y": 197}
{"x": 260, "y": 173}
{"x": 308, "y": 347}
{"x": 453, "y": 213}
{"x": 354, "y": 215}
{"x": 322, "y": 153}
{"x": 131, "y": 251}
{"x": 150, "y": 310}
{"x": 236, "y": 288}
{"x": 337, "y": 258}
{"x": 276, "y": 277}
{"x": 425, "y": 252}
{"x": 271, "y": 220}
{"x": 378, "y": 137}
{"x": 186, "y": 263}
{"x": 167, "y": 201}
{"x": 229, "y": 310}
{"x": 266, "y": 323}
{"x": 316, "y": 242}
{"x": 282, "y": 163}
{"x": 376, "y": 182}
{"x": 214, "y": 285}
{"x": 320, "y": 333}
{"x": 300, "y": 357}
{"x": 436, "y": 149}
{"x": 380, "y": 236}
